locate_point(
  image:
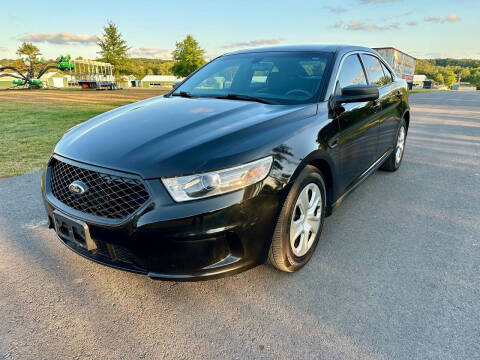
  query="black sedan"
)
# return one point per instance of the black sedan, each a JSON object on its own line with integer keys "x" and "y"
{"x": 237, "y": 165}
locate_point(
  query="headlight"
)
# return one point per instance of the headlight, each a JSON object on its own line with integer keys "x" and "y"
{"x": 192, "y": 187}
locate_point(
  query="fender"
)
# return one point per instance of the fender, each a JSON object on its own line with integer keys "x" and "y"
{"x": 309, "y": 147}
{"x": 322, "y": 160}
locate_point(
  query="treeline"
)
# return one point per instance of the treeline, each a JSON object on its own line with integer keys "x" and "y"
{"x": 450, "y": 71}
{"x": 466, "y": 63}
{"x": 143, "y": 66}
{"x": 132, "y": 66}
{"x": 10, "y": 62}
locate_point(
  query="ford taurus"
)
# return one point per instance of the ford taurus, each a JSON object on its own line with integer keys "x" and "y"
{"x": 238, "y": 165}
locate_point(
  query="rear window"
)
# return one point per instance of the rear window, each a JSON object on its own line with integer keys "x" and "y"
{"x": 377, "y": 73}
{"x": 374, "y": 70}
{"x": 388, "y": 74}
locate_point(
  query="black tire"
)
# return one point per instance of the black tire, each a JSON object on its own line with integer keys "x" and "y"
{"x": 390, "y": 164}
{"x": 281, "y": 254}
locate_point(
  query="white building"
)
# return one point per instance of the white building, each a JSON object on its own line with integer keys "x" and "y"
{"x": 419, "y": 78}
{"x": 159, "y": 80}
{"x": 54, "y": 79}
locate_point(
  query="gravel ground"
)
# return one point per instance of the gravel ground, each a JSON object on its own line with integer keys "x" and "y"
{"x": 396, "y": 275}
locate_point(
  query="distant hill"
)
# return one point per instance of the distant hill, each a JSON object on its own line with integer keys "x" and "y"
{"x": 467, "y": 63}
{"x": 143, "y": 66}
{"x": 450, "y": 71}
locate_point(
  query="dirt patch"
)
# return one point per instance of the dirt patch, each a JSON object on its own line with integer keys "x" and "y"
{"x": 78, "y": 96}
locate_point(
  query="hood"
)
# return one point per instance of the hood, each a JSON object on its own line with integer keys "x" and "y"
{"x": 169, "y": 136}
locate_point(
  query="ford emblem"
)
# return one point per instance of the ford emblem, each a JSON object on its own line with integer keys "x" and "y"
{"x": 77, "y": 187}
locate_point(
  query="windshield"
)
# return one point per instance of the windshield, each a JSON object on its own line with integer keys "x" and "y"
{"x": 273, "y": 77}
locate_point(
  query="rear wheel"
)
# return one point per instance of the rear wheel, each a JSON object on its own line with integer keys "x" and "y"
{"x": 300, "y": 222}
{"x": 394, "y": 161}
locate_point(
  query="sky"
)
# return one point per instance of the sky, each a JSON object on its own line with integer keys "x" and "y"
{"x": 421, "y": 28}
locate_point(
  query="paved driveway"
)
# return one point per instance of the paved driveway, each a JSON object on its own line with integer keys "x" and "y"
{"x": 396, "y": 275}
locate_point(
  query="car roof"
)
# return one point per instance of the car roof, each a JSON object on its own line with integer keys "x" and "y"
{"x": 326, "y": 48}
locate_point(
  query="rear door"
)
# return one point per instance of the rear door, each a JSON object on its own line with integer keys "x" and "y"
{"x": 394, "y": 111}
{"x": 357, "y": 141}
{"x": 390, "y": 101}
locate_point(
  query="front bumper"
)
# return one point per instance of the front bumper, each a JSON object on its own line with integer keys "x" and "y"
{"x": 195, "y": 240}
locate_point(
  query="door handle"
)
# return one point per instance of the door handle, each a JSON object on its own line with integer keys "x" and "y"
{"x": 333, "y": 143}
{"x": 376, "y": 105}
{"x": 399, "y": 94}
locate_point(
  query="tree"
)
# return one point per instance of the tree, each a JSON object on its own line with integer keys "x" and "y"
{"x": 30, "y": 61}
{"x": 462, "y": 73}
{"x": 438, "y": 78}
{"x": 29, "y": 50}
{"x": 113, "y": 49}
{"x": 450, "y": 78}
{"x": 188, "y": 57}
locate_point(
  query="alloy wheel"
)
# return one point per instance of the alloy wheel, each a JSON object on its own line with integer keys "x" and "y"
{"x": 306, "y": 218}
{"x": 400, "y": 145}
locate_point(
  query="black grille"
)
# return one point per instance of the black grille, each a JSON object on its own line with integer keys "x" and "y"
{"x": 108, "y": 196}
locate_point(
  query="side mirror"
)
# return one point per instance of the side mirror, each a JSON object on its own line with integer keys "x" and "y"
{"x": 356, "y": 93}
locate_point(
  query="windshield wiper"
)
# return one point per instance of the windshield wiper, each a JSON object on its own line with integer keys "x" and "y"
{"x": 183, "y": 94}
{"x": 243, "y": 97}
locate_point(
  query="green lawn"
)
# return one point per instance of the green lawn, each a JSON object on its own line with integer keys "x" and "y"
{"x": 31, "y": 122}
{"x": 28, "y": 132}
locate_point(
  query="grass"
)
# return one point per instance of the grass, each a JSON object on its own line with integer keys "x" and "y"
{"x": 414, "y": 91}
{"x": 30, "y": 126}
{"x": 29, "y": 133}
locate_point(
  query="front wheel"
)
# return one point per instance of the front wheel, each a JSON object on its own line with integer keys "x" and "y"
{"x": 394, "y": 161}
{"x": 300, "y": 222}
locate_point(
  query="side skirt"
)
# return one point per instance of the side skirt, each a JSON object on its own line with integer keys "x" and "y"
{"x": 362, "y": 178}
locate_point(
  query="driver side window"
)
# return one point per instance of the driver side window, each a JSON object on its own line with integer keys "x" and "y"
{"x": 220, "y": 80}
{"x": 351, "y": 72}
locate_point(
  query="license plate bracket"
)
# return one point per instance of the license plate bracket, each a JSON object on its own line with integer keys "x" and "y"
{"x": 73, "y": 230}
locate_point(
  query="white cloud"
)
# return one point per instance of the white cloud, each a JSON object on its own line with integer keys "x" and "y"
{"x": 62, "y": 38}
{"x": 359, "y": 26}
{"x": 3, "y": 49}
{"x": 433, "y": 19}
{"x": 336, "y": 10}
{"x": 211, "y": 56}
{"x": 451, "y": 18}
{"x": 258, "y": 42}
{"x": 337, "y": 25}
{"x": 151, "y": 52}
{"x": 412, "y": 23}
{"x": 448, "y": 18}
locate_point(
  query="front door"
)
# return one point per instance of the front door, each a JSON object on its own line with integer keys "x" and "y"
{"x": 390, "y": 114}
